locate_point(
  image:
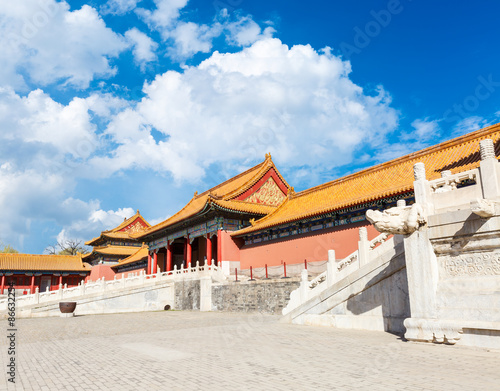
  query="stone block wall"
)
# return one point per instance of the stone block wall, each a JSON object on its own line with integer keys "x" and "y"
{"x": 267, "y": 296}
{"x": 187, "y": 295}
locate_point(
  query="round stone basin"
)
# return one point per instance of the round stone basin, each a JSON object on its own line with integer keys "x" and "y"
{"x": 67, "y": 307}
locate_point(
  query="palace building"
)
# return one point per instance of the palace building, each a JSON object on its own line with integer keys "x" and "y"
{"x": 45, "y": 272}
{"x": 116, "y": 244}
{"x": 200, "y": 232}
{"x": 253, "y": 219}
{"x": 256, "y": 218}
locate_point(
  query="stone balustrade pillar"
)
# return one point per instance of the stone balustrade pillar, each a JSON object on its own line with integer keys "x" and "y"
{"x": 422, "y": 189}
{"x": 489, "y": 170}
{"x": 363, "y": 247}
{"x": 330, "y": 268}
{"x": 304, "y": 286}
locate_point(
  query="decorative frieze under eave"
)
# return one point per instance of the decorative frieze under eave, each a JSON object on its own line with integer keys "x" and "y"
{"x": 350, "y": 215}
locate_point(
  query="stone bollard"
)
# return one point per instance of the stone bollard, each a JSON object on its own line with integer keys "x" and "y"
{"x": 363, "y": 246}
{"x": 330, "y": 268}
{"x": 304, "y": 286}
{"x": 488, "y": 170}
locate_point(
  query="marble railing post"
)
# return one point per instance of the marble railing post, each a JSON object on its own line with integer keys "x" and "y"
{"x": 488, "y": 170}
{"x": 37, "y": 296}
{"x": 304, "y": 286}
{"x": 363, "y": 247}
{"x": 422, "y": 271}
{"x": 422, "y": 189}
{"x": 330, "y": 268}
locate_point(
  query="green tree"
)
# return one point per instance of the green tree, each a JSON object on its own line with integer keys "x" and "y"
{"x": 8, "y": 249}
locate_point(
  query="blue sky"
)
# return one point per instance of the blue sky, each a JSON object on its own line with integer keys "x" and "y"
{"x": 109, "y": 107}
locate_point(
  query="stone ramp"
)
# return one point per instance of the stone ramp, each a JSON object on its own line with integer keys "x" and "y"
{"x": 370, "y": 296}
{"x": 145, "y": 298}
{"x": 132, "y": 294}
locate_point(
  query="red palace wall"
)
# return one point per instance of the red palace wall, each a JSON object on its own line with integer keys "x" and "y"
{"x": 311, "y": 246}
{"x": 99, "y": 271}
{"x": 230, "y": 247}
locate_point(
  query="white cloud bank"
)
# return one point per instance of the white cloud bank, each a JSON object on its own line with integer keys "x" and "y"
{"x": 43, "y": 42}
{"x": 295, "y": 102}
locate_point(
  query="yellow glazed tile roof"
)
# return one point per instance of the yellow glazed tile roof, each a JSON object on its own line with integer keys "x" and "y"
{"x": 30, "y": 262}
{"x": 115, "y": 233}
{"x": 383, "y": 180}
{"x": 139, "y": 255}
{"x": 113, "y": 250}
{"x": 222, "y": 195}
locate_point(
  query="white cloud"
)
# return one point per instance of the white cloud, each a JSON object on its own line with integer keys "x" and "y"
{"x": 93, "y": 222}
{"x": 473, "y": 123}
{"x": 143, "y": 47}
{"x": 191, "y": 38}
{"x": 244, "y": 31}
{"x": 118, "y": 7}
{"x": 164, "y": 16}
{"x": 295, "y": 102}
{"x": 38, "y": 120}
{"x": 43, "y": 147}
{"x": 185, "y": 39}
{"x": 44, "y": 42}
{"x": 425, "y": 129}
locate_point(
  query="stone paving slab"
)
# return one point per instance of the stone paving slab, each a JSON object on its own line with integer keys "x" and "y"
{"x": 175, "y": 350}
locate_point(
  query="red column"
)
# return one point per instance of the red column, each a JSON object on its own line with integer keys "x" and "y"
{"x": 169, "y": 258}
{"x": 209, "y": 250}
{"x": 219, "y": 248}
{"x": 32, "y": 288}
{"x": 155, "y": 263}
{"x": 2, "y": 285}
{"x": 148, "y": 271}
{"x": 185, "y": 252}
{"x": 188, "y": 252}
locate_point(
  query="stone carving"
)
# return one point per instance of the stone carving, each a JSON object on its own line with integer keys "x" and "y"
{"x": 397, "y": 220}
{"x": 487, "y": 149}
{"x": 483, "y": 208}
{"x": 379, "y": 239}
{"x": 471, "y": 265}
{"x": 363, "y": 234}
{"x": 432, "y": 330}
{"x": 419, "y": 171}
{"x": 346, "y": 262}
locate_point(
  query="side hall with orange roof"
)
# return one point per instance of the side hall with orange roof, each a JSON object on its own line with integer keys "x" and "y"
{"x": 118, "y": 243}
{"x": 26, "y": 272}
{"x": 309, "y": 223}
{"x": 200, "y": 232}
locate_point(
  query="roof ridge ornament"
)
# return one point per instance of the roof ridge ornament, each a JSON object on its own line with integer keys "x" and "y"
{"x": 268, "y": 156}
{"x": 196, "y": 193}
{"x": 291, "y": 192}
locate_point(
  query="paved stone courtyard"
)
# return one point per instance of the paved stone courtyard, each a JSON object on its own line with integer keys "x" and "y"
{"x": 174, "y": 350}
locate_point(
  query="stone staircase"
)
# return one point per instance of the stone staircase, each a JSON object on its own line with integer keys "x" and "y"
{"x": 366, "y": 290}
